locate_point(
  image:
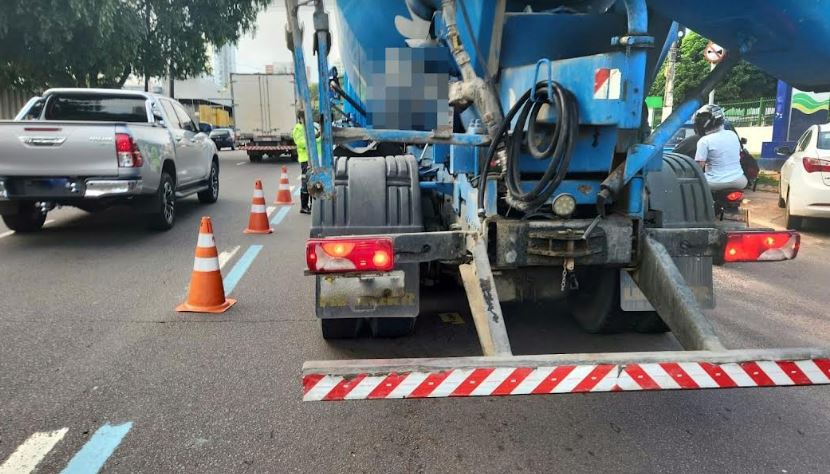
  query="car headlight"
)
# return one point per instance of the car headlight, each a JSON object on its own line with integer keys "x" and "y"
{"x": 564, "y": 205}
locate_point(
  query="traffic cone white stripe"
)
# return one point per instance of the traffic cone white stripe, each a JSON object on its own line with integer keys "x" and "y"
{"x": 258, "y": 193}
{"x": 201, "y": 264}
{"x": 206, "y": 241}
{"x": 258, "y": 208}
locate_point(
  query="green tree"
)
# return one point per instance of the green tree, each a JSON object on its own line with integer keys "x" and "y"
{"x": 179, "y": 33}
{"x": 744, "y": 82}
{"x": 76, "y": 42}
{"x": 99, "y": 43}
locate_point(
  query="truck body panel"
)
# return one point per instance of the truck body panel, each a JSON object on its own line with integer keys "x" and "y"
{"x": 264, "y": 111}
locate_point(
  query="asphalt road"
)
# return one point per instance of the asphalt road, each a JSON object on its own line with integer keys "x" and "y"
{"x": 97, "y": 369}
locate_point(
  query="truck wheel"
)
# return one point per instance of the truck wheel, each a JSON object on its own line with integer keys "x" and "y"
{"x": 163, "y": 215}
{"x": 596, "y": 306}
{"x": 255, "y": 157}
{"x": 211, "y": 194}
{"x": 391, "y": 327}
{"x": 29, "y": 218}
{"x": 341, "y": 328}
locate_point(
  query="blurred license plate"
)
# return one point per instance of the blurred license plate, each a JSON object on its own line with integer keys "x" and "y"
{"x": 46, "y": 187}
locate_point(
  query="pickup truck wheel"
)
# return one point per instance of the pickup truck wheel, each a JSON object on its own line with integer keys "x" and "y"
{"x": 341, "y": 328}
{"x": 163, "y": 216}
{"x": 29, "y": 218}
{"x": 211, "y": 194}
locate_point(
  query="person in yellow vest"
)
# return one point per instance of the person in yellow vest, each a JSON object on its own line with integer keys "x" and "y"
{"x": 298, "y": 134}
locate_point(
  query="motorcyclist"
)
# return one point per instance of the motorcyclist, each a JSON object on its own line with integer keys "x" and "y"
{"x": 718, "y": 150}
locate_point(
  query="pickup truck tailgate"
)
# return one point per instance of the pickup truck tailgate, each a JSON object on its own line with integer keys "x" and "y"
{"x": 69, "y": 149}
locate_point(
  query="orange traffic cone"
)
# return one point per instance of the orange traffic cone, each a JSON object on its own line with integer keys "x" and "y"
{"x": 206, "y": 293}
{"x": 258, "y": 221}
{"x": 284, "y": 193}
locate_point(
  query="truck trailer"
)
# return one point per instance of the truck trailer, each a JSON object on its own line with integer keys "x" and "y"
{"x": 544, "y": 183}
{"x": 264, "y": 112}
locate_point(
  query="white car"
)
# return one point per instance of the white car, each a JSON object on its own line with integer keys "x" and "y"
{"x": 804, "y": 190}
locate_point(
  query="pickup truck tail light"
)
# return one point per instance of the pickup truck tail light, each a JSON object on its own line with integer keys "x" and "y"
{"x": 336, "y": 255}
{"x": 813, "y": 165}
{"x": 129, "y": 156}
{"x": 760, "y": 246}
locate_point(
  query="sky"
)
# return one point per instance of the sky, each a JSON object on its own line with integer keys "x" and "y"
{"x": 266, "y": 44}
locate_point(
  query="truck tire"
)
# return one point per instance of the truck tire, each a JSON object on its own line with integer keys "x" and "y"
{"x": 373, "y": 196}
{"x": 211, "y": 194}
{"x": 163, "y": 213}
{"x": 254, "y": 157}
{"x": 679, "y": 197}
{"x": 391, "y": 327}
{"x": 344, "y": 328}
{"x": 29, "y": 218}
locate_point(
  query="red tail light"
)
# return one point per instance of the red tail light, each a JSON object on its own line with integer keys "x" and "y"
{"x": 757, "y": 246}
{"x": 129, "y": 156}
{"x": 735, "y": 196}
{"x": 812, "y": 165}
{"x": 349, "y": 255}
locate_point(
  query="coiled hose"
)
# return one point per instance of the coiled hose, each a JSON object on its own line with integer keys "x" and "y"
{"x": 559, "y": 147}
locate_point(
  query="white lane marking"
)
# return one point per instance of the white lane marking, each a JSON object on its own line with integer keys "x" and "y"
{"x": 225, "y": 256}
{"x": 241, "y": 163}
{"x": 27, "y": 456}
{"x": 270, "y": 210}
{"x": 11, "y": 232}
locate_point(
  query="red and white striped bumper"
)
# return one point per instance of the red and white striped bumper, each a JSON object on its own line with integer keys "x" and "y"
{"x": 578, "y": 373}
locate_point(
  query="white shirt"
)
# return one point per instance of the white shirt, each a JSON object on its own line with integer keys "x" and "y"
{"x": 721, "y": 151}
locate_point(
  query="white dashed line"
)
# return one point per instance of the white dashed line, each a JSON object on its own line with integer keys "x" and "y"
{"x": 27, "y": 456}
{"x": 225, "y": 256}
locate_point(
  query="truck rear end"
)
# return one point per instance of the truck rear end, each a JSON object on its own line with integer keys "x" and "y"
{"x": 545, "y": 186}
{"x": 264, "y": 108}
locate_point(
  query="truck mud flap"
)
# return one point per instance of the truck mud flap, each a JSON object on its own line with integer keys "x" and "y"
{"x": 381, "y": 379}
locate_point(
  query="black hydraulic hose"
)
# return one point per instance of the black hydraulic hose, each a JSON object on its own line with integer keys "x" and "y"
{"x": 339, "y": 90}
{"x": 559, "y": 147}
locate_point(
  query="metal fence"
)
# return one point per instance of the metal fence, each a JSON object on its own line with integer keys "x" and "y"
{"x": 750, "y": 113}
{"x": 10, "y": 103}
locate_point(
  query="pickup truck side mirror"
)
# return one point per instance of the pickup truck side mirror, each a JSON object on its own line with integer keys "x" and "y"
{"x": 783, "y": 150}
{"x": 159, "y": 120}
{"x": 205, "y": 127}
{"x": 744, "y": 141}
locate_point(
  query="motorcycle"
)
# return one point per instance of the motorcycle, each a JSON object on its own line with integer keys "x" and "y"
{"x": 728, "y": 204}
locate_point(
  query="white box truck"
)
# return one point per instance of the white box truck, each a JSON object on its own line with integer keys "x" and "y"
{"x": 264, "y": 110}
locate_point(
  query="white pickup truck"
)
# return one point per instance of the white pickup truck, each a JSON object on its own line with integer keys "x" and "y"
{"x": 94, "y": 148}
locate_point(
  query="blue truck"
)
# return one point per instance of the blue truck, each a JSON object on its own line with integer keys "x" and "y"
{"x": 529, "y": 171}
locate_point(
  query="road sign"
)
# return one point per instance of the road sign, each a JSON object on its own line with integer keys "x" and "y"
{"x": 714, "y": 53}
